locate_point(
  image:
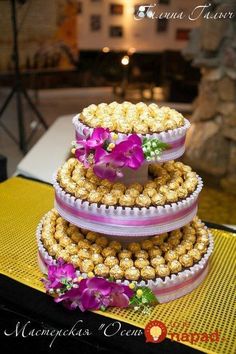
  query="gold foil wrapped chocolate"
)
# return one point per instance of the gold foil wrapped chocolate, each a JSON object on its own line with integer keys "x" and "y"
{"x": 186, "y": 260}
{"x": 162, "y": 270}
{"x": 101, "y": 270}
{"x": 132, "y": 273}
{"x": 116, "y": 272}
{"x": 126, "y": 263}
{"x": 175, "y": 266}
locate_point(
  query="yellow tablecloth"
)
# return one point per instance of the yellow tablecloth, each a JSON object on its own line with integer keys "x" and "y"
{"x": 207, "y": 309}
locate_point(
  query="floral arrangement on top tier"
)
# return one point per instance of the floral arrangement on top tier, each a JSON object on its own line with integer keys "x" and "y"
{"x": 101, "y": 150}
{"x": 93, "y": 293}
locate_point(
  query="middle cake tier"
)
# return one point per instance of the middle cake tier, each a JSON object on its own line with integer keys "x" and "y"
{"x": 168, "y": 200}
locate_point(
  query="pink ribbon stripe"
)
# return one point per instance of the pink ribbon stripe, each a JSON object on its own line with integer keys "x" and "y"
{"x": 120, "y": 220}
{"x": 181, "y": 285}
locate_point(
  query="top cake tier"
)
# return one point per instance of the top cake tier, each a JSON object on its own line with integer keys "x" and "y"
{"x": 147, "y": 121}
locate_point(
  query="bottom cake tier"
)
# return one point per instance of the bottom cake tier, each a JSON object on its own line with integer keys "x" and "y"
{"x": 171, "y": 264}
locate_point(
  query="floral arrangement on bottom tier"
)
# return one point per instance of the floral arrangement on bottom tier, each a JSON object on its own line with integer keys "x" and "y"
{"x": 94, "y": 293}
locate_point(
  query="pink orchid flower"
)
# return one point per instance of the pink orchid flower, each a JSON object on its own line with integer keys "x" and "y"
{"x": 57, "y": 274}
{"x": 130, "y": 151}
{"x": 107, "y": 165}
{"x": 86, "y": 146}
{"x": 96, "y": 293}
{"x": 98, "y": 138}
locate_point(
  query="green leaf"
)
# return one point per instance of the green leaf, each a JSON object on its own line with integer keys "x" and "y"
{"x": 148, "y": 295}
{"x": 147, "y": 298}
{"x": 153, "y": 146}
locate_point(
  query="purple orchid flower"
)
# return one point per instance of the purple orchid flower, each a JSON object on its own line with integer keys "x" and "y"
{"x": 130, "y": 151}
{"x": 89, "y": 294}
{"x": 71, "y": 298}
{"x": 96, "y": 293}
{"x": 82, "y": 152}
{"x": 59, "y": 273}
{"x": 120, "y": 295}
{"x": 107, "y": 165}
{"x": 98, "y": 137}
{"x": 87, "y": 145}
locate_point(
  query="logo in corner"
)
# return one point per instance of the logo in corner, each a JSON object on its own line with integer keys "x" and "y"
{"x": 155, "y": 331}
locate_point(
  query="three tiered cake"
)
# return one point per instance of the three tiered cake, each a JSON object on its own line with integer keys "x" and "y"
{"x": 124, "y": 210}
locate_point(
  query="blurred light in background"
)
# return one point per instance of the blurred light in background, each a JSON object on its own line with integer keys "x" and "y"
{"x": 106, "y": 49}
{"x": 125, "y": 60}
{"x": 131, "y": 50}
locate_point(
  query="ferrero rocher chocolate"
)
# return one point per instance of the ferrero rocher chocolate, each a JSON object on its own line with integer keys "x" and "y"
{"x": 91, "y": 236}
{"x": 159, "y": 239}
{"x": 175, "y": 234}
{"x": 84, "y": 253}
{"x": 109, "y": 199}
{"x": 148, "y": 273}
{"x": 180, "y": 250}
{"x": 143, "y": 201}
{"x": 162, "y": 270}
{"x": 63, "y": 254}
{"x": 187, "y": 244}
{"x": 77, "y": 236}
{"x": 102, "y": 241}
{"x": 75, "y": 260}
{"x": 173, "y": 242}
{"x": 126, "y": 263}
{"x": 171, "y": 255}
{"x": 116, "y": 245}
{"x": 201, "y": 247}
{"x": 165, "y": 247}
{"x": 141, "y": 254}
{"x": 108, "y": 251}
{"x": 116, "y": 272}
{"x": 154, "y": 251}
{"x": 49, "y": 242}
{"x": 65, "y": 241}
{"x": 58, "y": 234}
{"x": 203, "y": 239}
{"x": 86, "y": 266}
{"x": 110, "y": 261}
{"x": 95, "y": 248}
{"x": 189, "y": 237}
{"x": 96, "y": 258}
{"x": 195, "y": 254}
{"x": 94, "y": 197}
{"x": 124, "y": 254}
{"x": 132, "y": 273}
{"x": 146, "y": 245}
{"x": 101, "y": 270}
{"x": 126, "y": 200}
{"x": 54, "y": 249}
{"x": 140, "y": 118}
{"x": 141, "y": 263}
{"x": 132, "y": 192}
{"x": 85, "y": 244}
{"x": 186, "y": 260}
{"x": 72, "y": 249}
{"x": 157, "y": 261}
{"x": 134, "y": 247}
{"x": 175, "y": 266}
